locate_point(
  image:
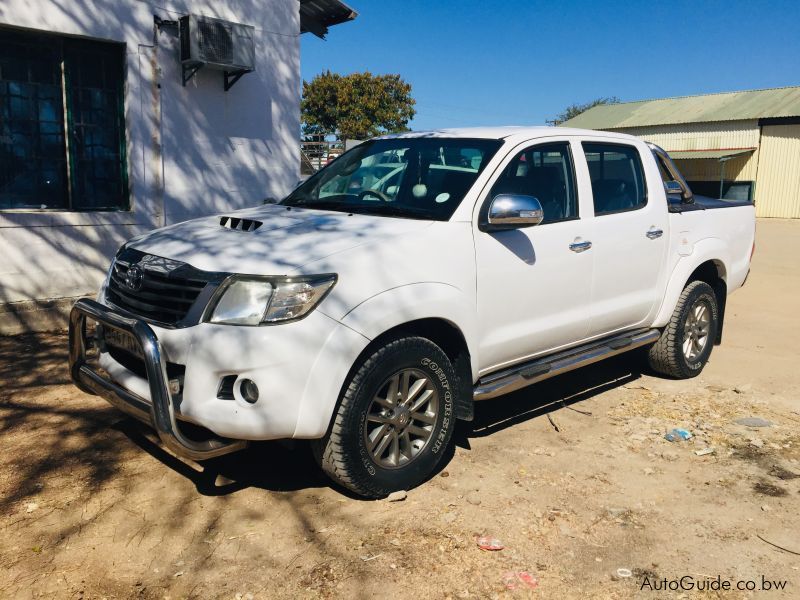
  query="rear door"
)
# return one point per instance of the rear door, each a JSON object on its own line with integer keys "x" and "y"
{"x": 629, "y": 234}
{"x": 534, "y": 283}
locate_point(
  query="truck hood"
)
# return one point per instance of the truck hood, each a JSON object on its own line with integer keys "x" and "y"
{"x": 286, "y": 240}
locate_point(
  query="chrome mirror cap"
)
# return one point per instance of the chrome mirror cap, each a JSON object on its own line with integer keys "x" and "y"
{"x": 513, "y": 211}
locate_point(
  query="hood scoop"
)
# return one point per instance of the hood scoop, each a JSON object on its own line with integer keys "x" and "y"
{"x": 239, "y": 224}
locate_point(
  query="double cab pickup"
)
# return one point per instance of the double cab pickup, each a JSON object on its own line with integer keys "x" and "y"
{"x": 412, "y": 277}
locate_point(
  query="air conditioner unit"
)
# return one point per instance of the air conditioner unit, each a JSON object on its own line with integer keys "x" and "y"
{"x": 217, "y": 44}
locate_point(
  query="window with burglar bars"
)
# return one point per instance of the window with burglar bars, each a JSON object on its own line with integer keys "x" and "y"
{"x": 62, "y": 133}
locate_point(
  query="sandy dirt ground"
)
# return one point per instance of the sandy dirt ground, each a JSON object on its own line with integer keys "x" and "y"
{"x": 573, "y": 476}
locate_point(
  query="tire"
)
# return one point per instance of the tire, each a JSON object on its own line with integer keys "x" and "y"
{"x": 686, "y": 342}
{"x": 373, "y": 412}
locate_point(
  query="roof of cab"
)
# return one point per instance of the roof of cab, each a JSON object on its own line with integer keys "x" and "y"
{"x": 503, "y": 133}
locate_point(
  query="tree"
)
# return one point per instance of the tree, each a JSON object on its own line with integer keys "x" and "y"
{"x": 573, "y": 110}
{"x": 356, "y": 106}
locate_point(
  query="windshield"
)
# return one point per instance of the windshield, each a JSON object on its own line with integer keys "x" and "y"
{"x": 415, "y": 178}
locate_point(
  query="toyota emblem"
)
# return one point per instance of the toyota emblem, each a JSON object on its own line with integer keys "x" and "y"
{"x": 134, "y": 278}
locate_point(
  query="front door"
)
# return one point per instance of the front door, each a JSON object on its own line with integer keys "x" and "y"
{"x": 534, "y": 283}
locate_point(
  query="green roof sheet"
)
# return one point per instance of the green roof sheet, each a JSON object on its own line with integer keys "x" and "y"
{"x": 730, "y": 106}
{"x": 689, "y": 154}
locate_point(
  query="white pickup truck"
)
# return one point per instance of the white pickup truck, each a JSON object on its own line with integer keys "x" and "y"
{"x": 414, "y": 275}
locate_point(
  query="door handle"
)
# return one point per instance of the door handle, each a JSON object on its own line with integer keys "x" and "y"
{"x": 580, "y": 246}
{"x": 654, "y": 233}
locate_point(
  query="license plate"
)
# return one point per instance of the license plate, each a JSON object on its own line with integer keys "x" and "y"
{"x": 122, "y": 340}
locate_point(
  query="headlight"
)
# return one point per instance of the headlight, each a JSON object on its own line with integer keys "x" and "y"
{"x": 250, "y": 300}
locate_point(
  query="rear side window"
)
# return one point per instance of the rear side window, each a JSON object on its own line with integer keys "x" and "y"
{"x": 617, "y": 177}
{"x": 544, "y": 172}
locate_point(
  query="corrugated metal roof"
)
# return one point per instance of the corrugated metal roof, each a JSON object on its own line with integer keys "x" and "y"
{"x": 730, "y": 106}
{"x": 688, "y": 154}
{"x": 317, "y": 15}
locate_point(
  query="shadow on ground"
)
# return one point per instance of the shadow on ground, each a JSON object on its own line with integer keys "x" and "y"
{"x": 32, "y": 360}
{"x": 290, "y": 466}
{"x": 28, "y": 362}
{"x": 554, "y": 394}
{"x": 275, "y": 466}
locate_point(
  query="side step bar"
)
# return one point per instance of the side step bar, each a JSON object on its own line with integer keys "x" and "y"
{"x": 525, "y": 374}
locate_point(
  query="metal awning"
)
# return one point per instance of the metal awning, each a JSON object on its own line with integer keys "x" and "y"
{"x": 316, "y": 16}
{"x": 709, "y": 154}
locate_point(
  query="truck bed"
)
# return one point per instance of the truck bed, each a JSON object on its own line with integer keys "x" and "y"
{"x": 706, "y": 203}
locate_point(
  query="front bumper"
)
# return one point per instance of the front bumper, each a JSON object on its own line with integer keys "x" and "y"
{"x": 160, "y": 412}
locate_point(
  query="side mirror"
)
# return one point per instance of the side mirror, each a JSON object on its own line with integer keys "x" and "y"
{"x": 513, "y": 211}
{"x": 675, "y": 188}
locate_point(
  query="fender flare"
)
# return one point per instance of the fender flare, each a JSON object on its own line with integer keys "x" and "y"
{"x": 359, "y": 327}
{"x": 709, "y": 249}
{"x": 325, "y": 381}
{"x": 414, "y": 301}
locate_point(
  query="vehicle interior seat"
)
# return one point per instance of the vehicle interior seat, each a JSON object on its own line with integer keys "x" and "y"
{"x": 611, "y": 195}
{"x": 545, "y": 184}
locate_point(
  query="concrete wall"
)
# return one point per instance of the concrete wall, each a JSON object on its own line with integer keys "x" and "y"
{"x": 191, "y": 151}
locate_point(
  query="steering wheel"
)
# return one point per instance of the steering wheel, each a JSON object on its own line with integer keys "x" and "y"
{"x": 377, "y": 193}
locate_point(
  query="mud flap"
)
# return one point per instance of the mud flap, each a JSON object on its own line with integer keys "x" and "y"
{"x": 464, "y": 405}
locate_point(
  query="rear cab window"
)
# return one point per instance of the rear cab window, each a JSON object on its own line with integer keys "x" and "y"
{"x": 618, "y": 183}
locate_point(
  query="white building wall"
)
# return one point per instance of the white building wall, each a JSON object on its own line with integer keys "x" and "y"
{"x": 191, "y": 151}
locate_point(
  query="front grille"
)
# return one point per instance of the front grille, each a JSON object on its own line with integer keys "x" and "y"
{"x": 166, "y": 292}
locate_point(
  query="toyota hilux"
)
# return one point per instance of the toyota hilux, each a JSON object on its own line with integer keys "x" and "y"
{"x": 413, "y": 276}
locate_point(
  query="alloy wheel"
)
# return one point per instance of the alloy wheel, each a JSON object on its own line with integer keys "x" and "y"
{"x": 696, "y": 330}
{"x": 401, "y": 418}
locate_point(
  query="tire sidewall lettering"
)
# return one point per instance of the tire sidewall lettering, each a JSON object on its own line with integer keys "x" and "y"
{"x": 440, "y": 438}
{"x": 440, "y": 377}
{"x": 366, "y": 461}
{"x": 355, "y": 466}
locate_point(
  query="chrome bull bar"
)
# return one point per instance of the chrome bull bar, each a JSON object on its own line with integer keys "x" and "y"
{"x": 160, "y": 414}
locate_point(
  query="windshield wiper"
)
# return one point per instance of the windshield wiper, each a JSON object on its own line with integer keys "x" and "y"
{"x": 367, "y": 209}
{"x": 393, "y": 211}
{"x": 311, "y": 203}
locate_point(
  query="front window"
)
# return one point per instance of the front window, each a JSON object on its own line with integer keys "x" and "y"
{"x": 544, "y": 172}
{"x": 415, "y": 178}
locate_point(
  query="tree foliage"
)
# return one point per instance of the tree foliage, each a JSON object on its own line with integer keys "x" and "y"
{"x": 573, "y": 110}
{"x": 356, "y": 106}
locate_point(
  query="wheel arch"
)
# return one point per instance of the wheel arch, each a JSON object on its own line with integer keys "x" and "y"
{"x": 707, "y": 263}
{"x": 713, "y": 273}
{"x": 445, "y": 334}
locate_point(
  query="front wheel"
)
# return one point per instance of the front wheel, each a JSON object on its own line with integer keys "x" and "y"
{"x": 394, "y": 420}
{"x": 686, "y": 342}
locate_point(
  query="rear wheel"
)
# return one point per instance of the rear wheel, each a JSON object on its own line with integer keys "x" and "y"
{"x": 686, "y": 342}
{"x": 394, "y": 420}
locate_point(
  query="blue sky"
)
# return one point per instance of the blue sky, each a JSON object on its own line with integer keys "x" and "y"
{"x": 518, "y": 62}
